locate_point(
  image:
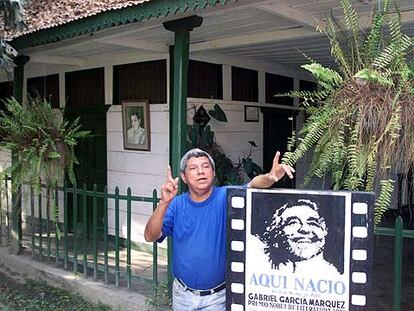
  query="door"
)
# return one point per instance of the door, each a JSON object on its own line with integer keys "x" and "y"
{"x": 278, "y": 125}
{"x": 91, "y": 154}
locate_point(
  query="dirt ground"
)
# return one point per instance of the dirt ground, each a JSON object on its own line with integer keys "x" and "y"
{"x": 20, "y": 294}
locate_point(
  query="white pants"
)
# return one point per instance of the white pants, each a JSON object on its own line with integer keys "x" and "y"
{"x": 185, "y": 300}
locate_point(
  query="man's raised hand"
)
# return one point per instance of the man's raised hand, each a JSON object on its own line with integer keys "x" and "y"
{"x": 279, "y": 170}
{"x": 170, "y": 188}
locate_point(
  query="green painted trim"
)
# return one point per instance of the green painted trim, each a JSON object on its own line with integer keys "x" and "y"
{"x": 135, "y": 14}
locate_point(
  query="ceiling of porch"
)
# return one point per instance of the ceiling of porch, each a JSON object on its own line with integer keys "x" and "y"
{"x": 272, "y": 31}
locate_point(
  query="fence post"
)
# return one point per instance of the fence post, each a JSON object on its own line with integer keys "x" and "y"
{"x": 48, "y": 198}
{"x": 398, "y": 244}
{"x": 65, "y": 222}
{"x": 129, "y": 238}
{"x": 57, "y": 225}
{"x": 7, "y": 211}
{"x": 95, "y": 233}
{"x": 154, "y": 249}
{"x": 75, "y": 228}
{"x": 84, "y": 231}
{"x": 16, "y": 229}
{"x": 32, "y": 222}
{"x": 117, "y": 272}
{"x": 40, "y": 206}
{"x": 105, "y": 202}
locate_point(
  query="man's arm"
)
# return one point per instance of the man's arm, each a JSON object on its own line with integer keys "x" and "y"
{"x": 154, "y": 224}
{"x": 276, "y": 173}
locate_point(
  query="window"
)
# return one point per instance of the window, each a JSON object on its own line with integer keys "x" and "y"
{"x": 307, "y": 86}
{"x": 244, "y": 84}
{"x": 205, "y": 80}
{"x": 277, "y": 84}
{"x": 146, "y": 80}
{"x": 47, "y": 87}
{"x": 85, "y": 88}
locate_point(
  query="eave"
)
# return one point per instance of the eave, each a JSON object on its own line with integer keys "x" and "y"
{"x": 134, "y": 14}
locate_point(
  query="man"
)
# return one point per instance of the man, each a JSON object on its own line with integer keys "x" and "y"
{"x": 197, "y": 221}
{"x": 295, "y": 239}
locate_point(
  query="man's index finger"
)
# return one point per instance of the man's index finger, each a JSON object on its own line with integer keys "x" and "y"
{"x": 169, "y": 174}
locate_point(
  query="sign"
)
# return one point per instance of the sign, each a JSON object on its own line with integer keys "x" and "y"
{"x": 298, "y": 250}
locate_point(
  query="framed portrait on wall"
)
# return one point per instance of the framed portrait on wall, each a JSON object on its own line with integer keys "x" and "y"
{"x": 251, "y": 114}
{"x": 136, "y": 125}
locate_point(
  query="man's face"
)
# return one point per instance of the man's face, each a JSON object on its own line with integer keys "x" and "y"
{"x": 135, "y": 121}
{"x": 305, "y": 231}
{"x": 198, "y": 174}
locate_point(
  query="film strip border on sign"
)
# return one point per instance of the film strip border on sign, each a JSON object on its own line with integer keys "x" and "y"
{"x": 236, "y": 255}
{"x": 361, "y": 249}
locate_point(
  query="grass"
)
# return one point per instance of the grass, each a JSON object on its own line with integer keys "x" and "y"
{"x": 162, "y": 299}
{"x": 39, "y": 296}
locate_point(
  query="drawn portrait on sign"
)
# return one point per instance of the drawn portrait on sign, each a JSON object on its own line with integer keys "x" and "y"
{"x": 295, "y": 238}
{"x": 301, "y": 234}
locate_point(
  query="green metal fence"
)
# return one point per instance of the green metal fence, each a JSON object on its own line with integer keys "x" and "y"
{"x": 84, "y": 245}
{"x": 82, "y": 242}
{"x": 399, "y": 234}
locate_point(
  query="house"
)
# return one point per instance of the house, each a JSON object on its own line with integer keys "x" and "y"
{"x": 91, "y": 56}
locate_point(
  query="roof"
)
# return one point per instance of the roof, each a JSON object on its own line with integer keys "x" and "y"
{"x": 54, "y": 20}
{"x": 42, "y": 14}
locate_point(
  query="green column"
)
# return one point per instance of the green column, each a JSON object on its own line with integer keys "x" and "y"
{"x": 19, "y": 61}
{"x": 178, "y": 96}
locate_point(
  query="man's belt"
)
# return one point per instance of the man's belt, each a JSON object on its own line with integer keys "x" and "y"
{"x": 202, "y": 292}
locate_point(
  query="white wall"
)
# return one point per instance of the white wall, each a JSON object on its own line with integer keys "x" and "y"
{"x": 141, "y": 170}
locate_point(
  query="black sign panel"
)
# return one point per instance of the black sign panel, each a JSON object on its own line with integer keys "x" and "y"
{"x": 298, "y": 250}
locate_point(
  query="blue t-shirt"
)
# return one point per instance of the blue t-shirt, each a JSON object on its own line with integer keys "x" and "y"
{"x": 199, "y": 234}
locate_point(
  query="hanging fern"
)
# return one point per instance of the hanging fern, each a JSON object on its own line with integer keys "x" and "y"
{"x": 384, "y": 198}
{"x": 42, "y": 144}
{"x": 41, "y": 141}
{"x": 361, "y": 128}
